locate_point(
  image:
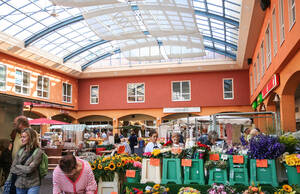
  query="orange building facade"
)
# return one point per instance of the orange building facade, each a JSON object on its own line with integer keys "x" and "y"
{"x": 277, "y": 55}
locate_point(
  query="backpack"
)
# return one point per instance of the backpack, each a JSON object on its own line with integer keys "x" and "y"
{"x": 43, "y": 168}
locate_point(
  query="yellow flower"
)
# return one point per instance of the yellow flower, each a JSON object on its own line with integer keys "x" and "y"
{"x": 138, "y": 158}
{"x": 106, "y": 168}
{"x": 156, "y": 186}
{"x": 156, "y": 152}
{"x": 119, "y": 164}
{"x": 167, "y": 189}
{"x": 93, "y": 166}
{"x": 287, "y": 188}
{"x": 99, "y": 166}
{"x": 95, "y": 161}
{"x": 112, "y": 166}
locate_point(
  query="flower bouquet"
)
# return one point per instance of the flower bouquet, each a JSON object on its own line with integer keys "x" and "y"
{"x": 188, "y": 190}
{"x": 253, "y": 190}
{"x": 265, "y": 147}
{"x": 133, "y": 191}
{"x": 287, "y": 189}
{"x": 290, "y": 143}
{"x": 154, "y": 154}
{"x": 136, "y": 167}
{"x": 157, "y": 189}
{"x": 220, "y": 189}
{"x": 292, "y": 159}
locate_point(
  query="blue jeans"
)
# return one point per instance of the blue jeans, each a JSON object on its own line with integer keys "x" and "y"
{"x": 32, "y": 190}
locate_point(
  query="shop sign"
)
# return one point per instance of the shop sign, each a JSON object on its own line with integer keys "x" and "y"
{"x": 181, "y": 109}
{"x": 271, "y": 85}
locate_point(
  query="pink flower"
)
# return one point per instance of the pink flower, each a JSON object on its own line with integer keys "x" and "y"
{"x": 137, "y": 164}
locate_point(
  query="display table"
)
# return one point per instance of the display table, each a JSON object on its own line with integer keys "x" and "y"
{"x": 174, "y": 188}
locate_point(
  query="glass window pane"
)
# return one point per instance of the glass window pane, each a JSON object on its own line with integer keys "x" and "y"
{"x": 39, "y": 83}
{"x": 18, "y": 89}
{"x": 228, "y": 95}
{"x": 185, "y": 87}
{"x": 176, "y": 86}
{"x": 227, "y": 85}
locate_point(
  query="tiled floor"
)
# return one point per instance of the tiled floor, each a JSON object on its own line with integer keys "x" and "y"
{"x": 47, "y": 187}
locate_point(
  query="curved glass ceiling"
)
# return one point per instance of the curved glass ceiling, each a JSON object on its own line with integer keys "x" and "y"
{"x": 78, "y": 35}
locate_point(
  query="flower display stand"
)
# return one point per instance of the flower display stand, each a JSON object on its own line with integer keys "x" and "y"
{"x": 171, "y": 171}
{"x": 109, "y": 187}
{"x": 293, "y": 175}
{"x": 150, "y": 173}
{"x": 195, "y": 173}
{"x": 135, "y": 179}
{"x": 238, "y": 172}
{"x": 263, "y": 175}
{"x": 217, "y": 175}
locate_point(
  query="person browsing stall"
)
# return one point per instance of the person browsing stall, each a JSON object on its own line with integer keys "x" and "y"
{"x": 73, "y": 175}
{"x": 176, "y": 140}
{"x": 153, "y": 142}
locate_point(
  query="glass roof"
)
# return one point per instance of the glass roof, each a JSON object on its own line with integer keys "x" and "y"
{"x": 79, "y": 35}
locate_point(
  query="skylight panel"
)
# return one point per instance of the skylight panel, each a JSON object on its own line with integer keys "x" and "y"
{"x": 23, "y": 35}
{"x": 5, "y": 24}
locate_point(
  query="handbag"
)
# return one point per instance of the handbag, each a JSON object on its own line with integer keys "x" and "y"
{"x": 9, "y": 185}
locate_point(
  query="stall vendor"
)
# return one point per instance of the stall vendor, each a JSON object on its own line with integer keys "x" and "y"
{"x": 153, "y": 142}
{"x": 175, "y": 140}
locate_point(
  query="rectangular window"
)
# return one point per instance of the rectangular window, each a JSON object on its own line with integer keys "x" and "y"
{"x": 67, "y": 92}
{"x": 135, "y": 92}
{"x": 2, "y": 77}
{"x": 281, "y": 21}
{"x": 274, "y": 23}
{"x": 42, "y": 87}
{"x": 268, "y": 46}
{"x": 94, "y": 95}
{"x": 22, "y": 82}
{"x": 181, "y": 91}
{"x": 262, "y": 57}
{"x": 251, "y": 84}
{"x": 255, "y": 75}
{"x": 292, "y": 12}
{"x": 258, "y": 69}
{"x": 228, "y": 88}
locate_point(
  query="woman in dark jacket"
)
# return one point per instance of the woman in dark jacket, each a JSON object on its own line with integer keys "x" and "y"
{"x": 5, "y": 159}
{"x": 26, "y": 164}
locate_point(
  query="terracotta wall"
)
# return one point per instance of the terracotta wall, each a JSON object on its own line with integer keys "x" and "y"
{"x": 56, "y": 80}
{"x": 206, "y": 90}
{"x": 285, "y": 51}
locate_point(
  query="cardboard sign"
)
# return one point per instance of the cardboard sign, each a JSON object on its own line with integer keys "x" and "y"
{"x": 262, "y": 163}
{"x": 113, "y": 192}
{"x": 130, "y": 173}
{"x": 176, "y": 150}
{"x": 298, "y": 169}
{"x": 154, "y": 161}
{"x": 186, "y": 162}
{"x": 238, "y": 159}
{"x": 214, "y": 157}
{"x": 121, "y": 150}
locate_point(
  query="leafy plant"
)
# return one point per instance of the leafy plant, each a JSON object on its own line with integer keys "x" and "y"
{"x": 290, "y": 142}
{"x": 215, "y": 164}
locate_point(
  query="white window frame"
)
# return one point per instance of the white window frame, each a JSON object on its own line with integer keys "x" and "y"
{"x": 274, "y": 29}
{"x": 22, "y": 84}
{"x": 66, "y": 94}
{"x": 5, "y": 77}
{"x": 42, "y": 90}
{"x": 258, "y": 69}
{"x": 292, "y": 13}
{"x": 135, "y": 95}
{"x": 190, "y": 93}
{"x": 94, "y": 97}
{"x": 281, "y": 21}
{"x": 227, "y": 91}
{"x": 262, "y": 57}
{"x": 268, "y": 46}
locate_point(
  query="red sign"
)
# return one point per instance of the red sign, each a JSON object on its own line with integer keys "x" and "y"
{"x": 154, "y": 161}
{"x": 186, "y": 162}
{"x": 214, "y": 157}
{"x": 238, "y": 159}
{"x": 298, "y": 169}
{"x": 130, "y": 173}
{"x": 262, "y": 163}
{"x": 271, "y": 85}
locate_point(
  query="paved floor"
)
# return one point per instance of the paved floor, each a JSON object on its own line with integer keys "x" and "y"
{"x": 47, "y": 187}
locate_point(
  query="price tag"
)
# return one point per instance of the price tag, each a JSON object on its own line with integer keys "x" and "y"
{"x": 224, "y": 157}
{"x": 218, "y": 169}
{"x": 214, "y": 157}
{"x": 238, "y": 159}
{"x": 130, "y": 173}
{"x": 176, "y": 150}
{"x": 154, "y": 161}
{"x": 262, "y": 163}
{"x": 113, "y": 192}
{"x": 121, "y": 150}
{"x": 298, "y": 169}
{"x": 186, "y": 162}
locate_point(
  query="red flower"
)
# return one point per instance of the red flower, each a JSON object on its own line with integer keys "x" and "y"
{"x": 168, "y": 143}
{"x": 203, "y": 146}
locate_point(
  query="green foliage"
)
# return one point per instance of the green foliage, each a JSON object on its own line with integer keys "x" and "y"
{"x": 215, "y": 164}
{"x": 289, "y": 142}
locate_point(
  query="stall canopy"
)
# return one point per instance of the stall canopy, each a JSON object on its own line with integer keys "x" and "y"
{"x": 42, "y": 121}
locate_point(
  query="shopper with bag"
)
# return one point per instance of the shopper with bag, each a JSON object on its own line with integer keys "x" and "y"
{"x": 24, "y": 172}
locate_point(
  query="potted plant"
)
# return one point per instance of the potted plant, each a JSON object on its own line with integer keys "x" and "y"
{"x": 151, "y": 167}
{"x": 135, "y": 167}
